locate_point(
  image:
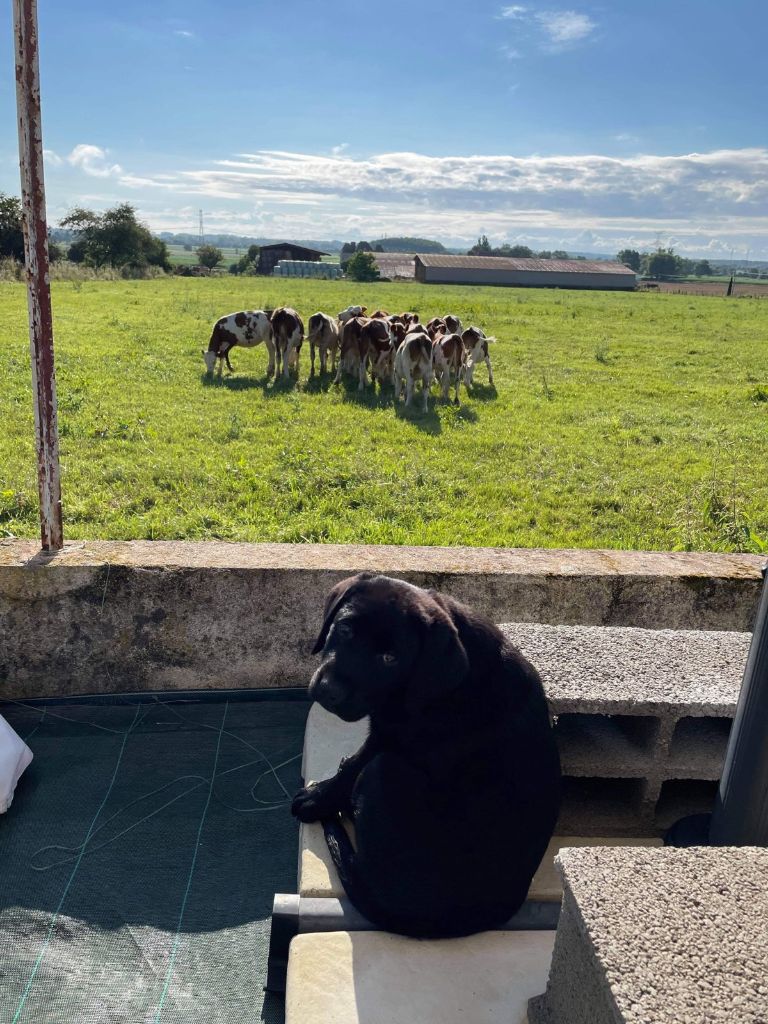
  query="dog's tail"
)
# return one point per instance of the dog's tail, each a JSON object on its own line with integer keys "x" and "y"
{"x": 365, "y": 901}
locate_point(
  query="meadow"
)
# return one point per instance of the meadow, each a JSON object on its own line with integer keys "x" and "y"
{"x": 627, "y": 420}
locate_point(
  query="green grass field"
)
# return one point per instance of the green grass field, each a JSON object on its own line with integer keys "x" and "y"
{"x": 619, "y": 421}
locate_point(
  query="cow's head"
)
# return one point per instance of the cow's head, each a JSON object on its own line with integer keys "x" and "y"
{"x": 210, "y": 360}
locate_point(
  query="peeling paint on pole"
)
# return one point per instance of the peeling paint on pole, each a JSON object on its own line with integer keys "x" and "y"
{"x": 37, "y": 270}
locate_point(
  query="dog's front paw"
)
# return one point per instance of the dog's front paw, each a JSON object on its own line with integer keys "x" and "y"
{"x": 314, "y": 803}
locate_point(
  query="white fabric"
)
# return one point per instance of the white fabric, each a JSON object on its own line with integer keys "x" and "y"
{"x": 15, "y": 755}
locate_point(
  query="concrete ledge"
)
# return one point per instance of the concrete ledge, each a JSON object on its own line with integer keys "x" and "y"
{"x": 377, "y": 978}
{"x": 108, "y": 616}
{"x": 660, "y": 935}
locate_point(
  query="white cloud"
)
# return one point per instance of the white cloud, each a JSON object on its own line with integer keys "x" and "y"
{"x": 550, "y": 31}
{"x": 184, "y": 33}
{"x": 565, "y": 28}
{"x": 709, "y": 202}
{"x": 510, "y": 52}
{"x": 92, "y": 160}
{"x": 338, "y": 150}
{"x": 51, "y": 158}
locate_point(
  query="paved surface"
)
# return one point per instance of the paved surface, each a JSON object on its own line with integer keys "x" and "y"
{"x": 377, "y": 978}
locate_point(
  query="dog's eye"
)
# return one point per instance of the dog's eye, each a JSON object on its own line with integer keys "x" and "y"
{"x": 343, "y": 629}
{"x": 388, "y": 658}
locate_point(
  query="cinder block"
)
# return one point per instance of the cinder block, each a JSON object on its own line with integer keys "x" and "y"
{"x": 377, "y": 978}
{"x": 668, "y": 936}
{"x": 698, "y": 746}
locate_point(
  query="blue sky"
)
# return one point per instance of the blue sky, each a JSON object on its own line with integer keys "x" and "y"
{"x": 582, "y": 126}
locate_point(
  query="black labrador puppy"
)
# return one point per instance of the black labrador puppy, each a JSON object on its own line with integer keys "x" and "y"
{"x": 455, "y": 793}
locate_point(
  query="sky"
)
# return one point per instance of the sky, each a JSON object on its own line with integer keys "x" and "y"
{"x": 581, "y": 126}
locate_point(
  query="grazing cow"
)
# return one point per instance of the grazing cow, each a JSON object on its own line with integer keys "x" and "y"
{"x": 247, "y": 328}
{"x": 413, "y": 361}
{"x": 475, "y": 351}
{"x": 448, "y": 357}
{"x": 377, "y": 341}
{"x": 288, "y": 328}
{"x": 350, "y": 312}
{"x": 448, "y": 324}
{"x": 380, "y": 314}
{"x": 324, "y": 335}
{"x": 352, "y": 355}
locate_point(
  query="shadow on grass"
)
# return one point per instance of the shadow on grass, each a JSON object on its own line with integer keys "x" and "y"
{"x": 428, "y": 422}
{"x": 482, "y": 392}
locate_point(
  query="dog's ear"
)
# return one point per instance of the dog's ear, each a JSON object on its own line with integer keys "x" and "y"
{"x": 441, "y": 666}
{"x": 333, "y": 603}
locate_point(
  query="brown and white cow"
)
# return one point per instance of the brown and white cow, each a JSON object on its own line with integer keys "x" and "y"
{"x": 288, "y": 328}
{"x": 475, "y": 351}
{"x": 323, "y": 335}
{"x": 448, "y": 359}
{"x": 350, "y": 312}
{"x": 413, "y": 361}
{"x": 352, "y": 358}
{"x": 378, "y": 345}
{"x": 247, "y": 329}
{"x": 448, "y": 324}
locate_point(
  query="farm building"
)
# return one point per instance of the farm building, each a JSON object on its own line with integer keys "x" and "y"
{"x": 270, "y": 255}
{"x": 522, "y": 273}
{"x": 395, "y": 264}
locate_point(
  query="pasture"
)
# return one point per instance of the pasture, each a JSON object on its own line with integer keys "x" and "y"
{"x": 619, "y": 421}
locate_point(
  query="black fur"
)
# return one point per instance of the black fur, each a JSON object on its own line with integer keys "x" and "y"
{"x": 455, "y": 793}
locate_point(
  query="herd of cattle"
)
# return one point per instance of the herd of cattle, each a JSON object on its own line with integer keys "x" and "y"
{"x": 393, "y": 348}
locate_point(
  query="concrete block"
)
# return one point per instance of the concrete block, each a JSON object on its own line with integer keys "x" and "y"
{"x": 111, "y": 616}
{"x": 326, "y": 741}
{"x": 668, "y": 936}
{"x": 377, "y": 978}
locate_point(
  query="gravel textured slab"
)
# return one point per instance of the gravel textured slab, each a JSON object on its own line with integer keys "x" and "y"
{"x": 660, "y": 935}
{"x": 625, "y": 669}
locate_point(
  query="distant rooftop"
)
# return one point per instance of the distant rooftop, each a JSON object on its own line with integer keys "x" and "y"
{"x": 513, "y": 263}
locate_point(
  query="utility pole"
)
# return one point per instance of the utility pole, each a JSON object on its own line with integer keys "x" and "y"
{"x": 201, "y": 232}
{"x": 37, "y": 271}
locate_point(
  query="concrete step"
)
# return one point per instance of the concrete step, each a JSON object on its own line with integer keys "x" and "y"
{"x": 669, "y": 936}
{"x": 377, "y": 978}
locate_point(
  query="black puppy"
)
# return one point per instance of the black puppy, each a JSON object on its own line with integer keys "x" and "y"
{"x": 455, "y": 793}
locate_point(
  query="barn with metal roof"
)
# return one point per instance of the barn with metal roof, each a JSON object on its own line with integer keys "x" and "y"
{"x": 524, "y": 273}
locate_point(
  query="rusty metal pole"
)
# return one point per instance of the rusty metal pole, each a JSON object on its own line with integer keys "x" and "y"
{"x": 37, "y": 270}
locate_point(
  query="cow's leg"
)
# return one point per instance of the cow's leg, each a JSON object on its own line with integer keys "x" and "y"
{"x": 226, "y": 358}
{"x": 397, "y": 381}
{"x": 312, "y": 358}
{"x": 490, "y": 370}
{"x": 269, "y": 342}
{"x": 323, "y": 359}
{"x": 458, "y": 381}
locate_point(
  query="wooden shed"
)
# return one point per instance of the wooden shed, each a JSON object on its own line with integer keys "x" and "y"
{"x": 270, "y": 255}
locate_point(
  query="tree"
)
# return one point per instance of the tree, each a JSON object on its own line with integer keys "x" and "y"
{"x": 520, "y": 252}
{"x": 378, "y": 247}
{"x": 362, "y": 267}
{"x": 364, "y": 247}
{"x": 545, "y": 254}
{"x": 209, "y": 256}
{"x": 662, "y": 263}
{"x": 630, "y": 258}
{"x": 11, "y": 231}
{"x": 248, "y": 262}
{"x": 559, "y": 254}
{"x": 702, "y": 269}
{"x": 482, "y": 248}
{"x": 114, "y": 238}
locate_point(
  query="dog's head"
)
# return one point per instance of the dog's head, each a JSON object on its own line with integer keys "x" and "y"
{"x": 386, "y": 646}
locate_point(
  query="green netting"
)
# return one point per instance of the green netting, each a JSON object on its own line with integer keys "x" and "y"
{"x": 163, "y": 914}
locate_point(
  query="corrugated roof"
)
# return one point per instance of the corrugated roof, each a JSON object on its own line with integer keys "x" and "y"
{"x": 295, "y": 246}
{"x": 512, "y": 263}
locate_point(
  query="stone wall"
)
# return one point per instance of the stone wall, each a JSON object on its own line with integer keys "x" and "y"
{"x": 128, "y": 616}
